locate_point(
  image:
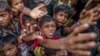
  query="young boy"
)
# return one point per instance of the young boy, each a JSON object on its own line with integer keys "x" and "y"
{"x": 17, "y": 8}
{"x": 62, "y": 15}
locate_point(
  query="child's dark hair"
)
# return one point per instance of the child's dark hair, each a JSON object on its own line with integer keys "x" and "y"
{"x": 4, "y": 5}
{"x": 10, "y": 40}
{"x": 63, "y": 8}
{"x": 45, "y": 19}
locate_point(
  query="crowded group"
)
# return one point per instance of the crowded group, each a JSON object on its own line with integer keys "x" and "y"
{"x": 49, "y": 28}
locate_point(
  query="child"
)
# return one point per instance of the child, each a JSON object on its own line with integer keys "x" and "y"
{"x": 62, "y": 14}
{"x": 17, "y": 8}
{"x": 10, "y": 47}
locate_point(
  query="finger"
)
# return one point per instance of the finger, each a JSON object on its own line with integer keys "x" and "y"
{"x": 39, "y": 7}
{"x": 82, "y": 53}
{"x": 31, "y": 29}
{"x": 85, "y": 46}
{"x": 85, "y": 37}
{"x": 80, "y": 29}
{"x": 42, "y": 14}
{"x": 98, "y": 10}
{"x": 28, "y": 27}
{"x": 35, "y": 25}
{"x": 99, "y": 16}
{"x": 24, "y": 31}
{"x": 40, "y": 37}
{"x": 93, "y": 23}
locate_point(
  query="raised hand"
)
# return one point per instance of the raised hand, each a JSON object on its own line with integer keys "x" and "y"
{"x": 28, "y": 34}
{"x": 79, "y": 43}
{"x": 90, "y": 16}
{"x": 37, "y": 12}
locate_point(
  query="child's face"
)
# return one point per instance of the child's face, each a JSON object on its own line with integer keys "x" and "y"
{"x": 17, "y": 5}
{"x": 10, "y": 50}
{"x": 49, "y": 28}
{"x": 4, "y": 17}
{"x": 60, "y": 17}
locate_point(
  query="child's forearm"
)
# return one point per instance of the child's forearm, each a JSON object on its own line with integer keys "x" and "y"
{"x": 53, "y": 44}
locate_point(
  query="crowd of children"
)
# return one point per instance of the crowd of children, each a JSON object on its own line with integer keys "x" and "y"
{"x": 49, "y": 28}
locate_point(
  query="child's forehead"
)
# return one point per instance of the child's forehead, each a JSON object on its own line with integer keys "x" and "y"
{"x": 2, "y": 10}
{"x": 62, "y": 12}
{"x": 49, "y": 22}
{"x": 16, "y": 1}
{"x": 8, "y": 45}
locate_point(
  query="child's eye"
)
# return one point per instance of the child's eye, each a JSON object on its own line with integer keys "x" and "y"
{"x": 16, "y": 3}
{"x": 61, "y": 15}
{"x": 10, "y": 49}
{"x": 3, "y": 15}
{"x": 53, "y": 26}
